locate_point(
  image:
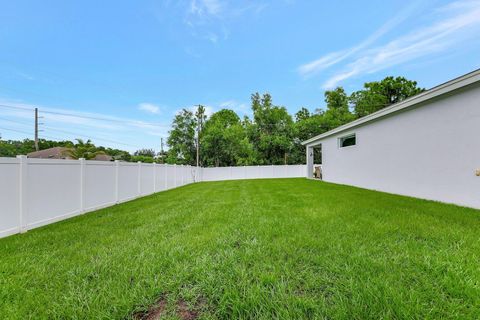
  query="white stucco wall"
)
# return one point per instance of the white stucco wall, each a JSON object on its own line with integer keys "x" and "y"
{"x": 429, "y": 152}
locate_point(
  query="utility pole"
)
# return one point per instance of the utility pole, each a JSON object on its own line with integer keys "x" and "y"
{"x": 200, "y": 114}
{"x": 36, "y": 129}
{"x": 198, "y": 146}
{"x": 161, "y": 149}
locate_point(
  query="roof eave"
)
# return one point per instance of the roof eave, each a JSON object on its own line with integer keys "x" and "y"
{"x": 434, "y": 92}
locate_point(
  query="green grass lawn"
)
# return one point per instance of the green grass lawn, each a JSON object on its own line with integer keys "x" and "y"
{"x": 252, "y": 249}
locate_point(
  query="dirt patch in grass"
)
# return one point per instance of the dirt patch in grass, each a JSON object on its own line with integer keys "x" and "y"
{"x": 154, "y": 312}
{"x": 182, "y": 310}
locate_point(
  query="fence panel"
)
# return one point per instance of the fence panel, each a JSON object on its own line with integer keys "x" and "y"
{"x": 9, "y": 196}
{"x": 128, "y": 181}
{"x": 170, "y": 172}
{"x": 178, "y": 175}
{"x": 53, "y": 191}
{"x": 100, "y": 184}
{"x": 160, "y": 177}
{"x": 147, "y": 177}
{"x": 237, "y": 173}
{"x": 252, "y": 172}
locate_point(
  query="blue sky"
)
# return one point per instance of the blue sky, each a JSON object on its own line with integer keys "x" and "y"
{"x": 136, "y": 63}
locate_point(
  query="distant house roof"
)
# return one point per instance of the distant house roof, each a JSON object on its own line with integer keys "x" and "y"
{"x": 62, "y": 153}
{"x": 50, "y": 153}
{"x": 103, "y": 157}
{"x": 445, "y": 88}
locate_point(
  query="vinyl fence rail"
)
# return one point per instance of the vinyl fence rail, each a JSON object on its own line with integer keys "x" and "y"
{"x": 37, "y": 192}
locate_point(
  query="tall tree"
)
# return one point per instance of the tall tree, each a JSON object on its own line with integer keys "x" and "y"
{"x": 307, "y": 125}
{"x": 224, "y": 141}
{"x": 377, "y": 95}
{"x": 181, "y": 139}
{"x": 338, "y": 111}
{"x": 200, "y": 118}
{"x": 271, "y": 131}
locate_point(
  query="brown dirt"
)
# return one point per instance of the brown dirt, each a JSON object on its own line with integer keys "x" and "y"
{"x": 184, "y": 313}
{"x": 159, "y": 308}
{"x": 154, "y": 312}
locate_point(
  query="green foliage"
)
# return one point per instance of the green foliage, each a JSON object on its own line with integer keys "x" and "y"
{"x": 338, "y": 112}
{"x": 145, "y": 152}
{"x": 380, "y": 94}
{"x": 181, "y": 139}
{"x": 12, "y": 148}
{"x": 224, "y": 141}
{"x": 144, "y": 159}
{"x": 250, "y": 249}
{"x": 271, "y": 131}
{"x": 83, "y": 149}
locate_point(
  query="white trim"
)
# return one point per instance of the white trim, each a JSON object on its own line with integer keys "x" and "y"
{"x": 455, "y": 84}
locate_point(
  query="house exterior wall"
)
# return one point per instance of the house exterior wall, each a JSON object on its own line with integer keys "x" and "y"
{"x": 430, "y": 151}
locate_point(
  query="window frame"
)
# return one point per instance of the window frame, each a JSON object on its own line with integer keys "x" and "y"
{"x": 345, "y": 137}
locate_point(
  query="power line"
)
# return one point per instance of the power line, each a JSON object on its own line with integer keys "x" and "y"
{"x": 69, "y": 132}
{"x": 17, "y": 122}
{"x": 29, "y": 133}
{"x": 18, "y": 131}
{"x": 15, "y": 107}
{"x": 66, "y": 114}
{"x": 91, "y": 137}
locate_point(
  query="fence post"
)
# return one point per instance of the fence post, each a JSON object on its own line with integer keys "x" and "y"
{"x": 117, "y": 180}
{"x": 174, "y": 175}
{"x": 165, "y": 166}
{"x": 22, "y": 217}
{"x": 82, "y": 184}
{"x": 154, "y": 177}
{"x": 139, "y": 184}
{"x": 244, "y": 172}
{"x": 183, "y": 174}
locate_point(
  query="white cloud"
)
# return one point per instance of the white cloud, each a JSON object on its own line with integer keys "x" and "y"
{"x": 437, "y": 37}
{"x": 149, "y": 107}
{"x": 451, "y": 24}
{"x": 333, "y": 58}
{"x": 204, "y": 8}
{"x": 210, "y": 19}
{"x": 212, "y": 37}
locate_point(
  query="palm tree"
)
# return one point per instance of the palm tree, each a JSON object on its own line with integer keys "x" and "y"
{"x": 83, "y": 149}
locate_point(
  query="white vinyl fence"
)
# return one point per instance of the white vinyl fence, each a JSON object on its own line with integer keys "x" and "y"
{"x": 253, "y": 172}
{"x": 37, "y": 192}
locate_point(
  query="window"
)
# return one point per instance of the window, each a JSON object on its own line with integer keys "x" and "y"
{"x": 347, "y": 141}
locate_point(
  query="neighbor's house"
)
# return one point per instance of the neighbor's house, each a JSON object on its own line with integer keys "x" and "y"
{"x": 62, "y": 153}
{"x": 427, "y": 146}
{"x": 50, "y": 153}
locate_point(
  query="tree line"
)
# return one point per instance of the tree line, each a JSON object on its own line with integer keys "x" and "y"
{"x": 273, "y": 136}
{"x": 270, "y": 136}
{"x": 76, "y": 149}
